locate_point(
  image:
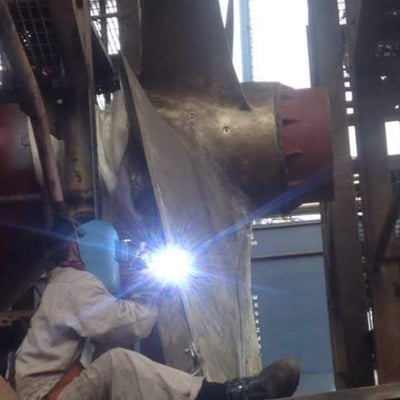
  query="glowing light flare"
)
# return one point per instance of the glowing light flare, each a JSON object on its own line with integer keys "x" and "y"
{"x": 170, "y": 264}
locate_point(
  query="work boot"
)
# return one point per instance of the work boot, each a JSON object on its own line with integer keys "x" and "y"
{"x": 279, "y": 379}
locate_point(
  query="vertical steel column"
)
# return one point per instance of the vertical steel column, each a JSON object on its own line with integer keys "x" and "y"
{"x": 129, "y": 18}
{"x": 377, "y": 194}
{"x": 346, "y": 288}
{"x": 367, "y": 18}
{"x": 245, "y": 29}
{"x": 103, "y": 23}
{"x": 71, "y": 22}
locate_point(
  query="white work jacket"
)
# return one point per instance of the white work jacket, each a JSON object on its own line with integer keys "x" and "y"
{"x": 75, "y": 305}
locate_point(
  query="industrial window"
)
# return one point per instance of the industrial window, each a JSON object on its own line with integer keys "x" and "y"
{"x": 353, "y": 141}
{"x": 1, "y": 69}
{"x": 342, "y": 12}
{"x": 105, "y": 19}
{"x": 33, "y": 24}
{"x": 348, "y": 96}
{"x": 392, "y": 137}
{"x": 278, "y": 32}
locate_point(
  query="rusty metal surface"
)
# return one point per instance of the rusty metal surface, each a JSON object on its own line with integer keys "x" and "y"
{"x": 305, "y": 135}
{"x": 32, "y": 102}
{"x": 18, "y": 244}
{"x": 17, "y": 176}
{"x": 198, "y": 208}
{"x": 303, "y": 130}
{"x": 71, "y": 28}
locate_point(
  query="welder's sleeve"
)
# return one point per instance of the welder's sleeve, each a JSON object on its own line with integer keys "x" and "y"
{"x": 100, "y": 316}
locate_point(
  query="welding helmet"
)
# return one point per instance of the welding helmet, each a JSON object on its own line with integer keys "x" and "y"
{"x": 97, "y": 242}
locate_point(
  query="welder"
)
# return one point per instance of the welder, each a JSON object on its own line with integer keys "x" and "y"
{"x": 56, "y": 361}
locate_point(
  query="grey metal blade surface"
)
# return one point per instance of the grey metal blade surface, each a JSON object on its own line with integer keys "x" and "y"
{"x": 185, "y": 48}
{"x": 199, "y": 210}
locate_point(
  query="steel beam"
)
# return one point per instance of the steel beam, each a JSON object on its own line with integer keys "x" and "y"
{"x": 247, "y": 56}
{"x": 230, "y": 24}
{"x": 131, "y": 32}
{"x": 365, "y": 22}
{"x": 379, "y": 392}
{"x": 71, "y": 24}
{"x": 20, "y": 198}
{"x": 347, "y": 294}
{"x": 377, "y": 194}
{"x": 387, "y": 232}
